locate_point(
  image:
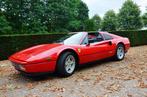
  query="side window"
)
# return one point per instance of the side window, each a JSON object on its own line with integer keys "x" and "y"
{"x": 95, "y": 37}
{"x": 107, "y": 37}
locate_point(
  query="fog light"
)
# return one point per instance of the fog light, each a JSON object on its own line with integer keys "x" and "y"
{"x": 22, "y": 68}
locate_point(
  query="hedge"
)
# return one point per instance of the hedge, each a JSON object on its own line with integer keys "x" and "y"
{"x": 10, "y": 44}
{"x": 136, "y": 38}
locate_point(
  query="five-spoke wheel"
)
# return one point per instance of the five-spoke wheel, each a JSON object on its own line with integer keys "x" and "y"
{"x": 66, "y": 64}
{"x": 120, "y": 52}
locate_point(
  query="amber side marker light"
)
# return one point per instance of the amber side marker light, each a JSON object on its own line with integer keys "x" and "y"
{"x": 48, "y": 59}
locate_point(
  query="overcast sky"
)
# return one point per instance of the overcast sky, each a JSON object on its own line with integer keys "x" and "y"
{"x": 101, "y": 6}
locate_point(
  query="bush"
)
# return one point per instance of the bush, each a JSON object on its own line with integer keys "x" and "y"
{"x": 137, "y": 38}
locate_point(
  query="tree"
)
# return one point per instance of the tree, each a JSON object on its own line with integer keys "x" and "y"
{"x": 109, "y": 22}
{"x": 75, "y": 25}
{"x": 59, "y": 15}
{"x": 12, "y": 13}
{"x": 4, "y": 25}
{"x": 32, "y": 12}
{"x": 77, "y": 22}
{"x": 33, "y": 16}
{"x": 144, "y": 18}
{"x": 129, "y": 16}
{"x": 25, "y": 16}
{"x": 82, "y": 14}
{"x": 90, "y": 25}
{"x": 97, "y": 22}
{"x": 82, "y": 11}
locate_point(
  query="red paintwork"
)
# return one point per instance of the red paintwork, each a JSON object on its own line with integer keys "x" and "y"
{"x": 43, "y": 58}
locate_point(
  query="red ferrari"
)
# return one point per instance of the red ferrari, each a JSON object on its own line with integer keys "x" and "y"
{"x": 69, "y": 52}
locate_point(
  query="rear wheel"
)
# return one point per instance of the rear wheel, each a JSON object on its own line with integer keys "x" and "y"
{"x": 120, "y": 52}
{"x": 66, "y": 64}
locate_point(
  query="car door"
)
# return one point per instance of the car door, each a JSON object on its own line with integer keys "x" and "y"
{"x": 111, "y": 49}
{"x": 96, "y": 51}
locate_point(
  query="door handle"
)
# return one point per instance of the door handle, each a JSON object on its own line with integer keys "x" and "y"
{"x": 110, "y": 42}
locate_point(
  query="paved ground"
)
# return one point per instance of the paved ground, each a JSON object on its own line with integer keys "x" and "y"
{"x": 127, "y": 78}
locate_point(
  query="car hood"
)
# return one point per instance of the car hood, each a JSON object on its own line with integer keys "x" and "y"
{"x": 36, "y": 53}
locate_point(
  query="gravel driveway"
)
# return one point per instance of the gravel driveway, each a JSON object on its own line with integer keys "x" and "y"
{"x": 127, "y": 78}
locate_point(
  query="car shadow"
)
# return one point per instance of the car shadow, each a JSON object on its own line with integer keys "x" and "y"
{"x": 95, "y": 64}
{"x": 47, "y": 76}
{"x": 52, "y": 76}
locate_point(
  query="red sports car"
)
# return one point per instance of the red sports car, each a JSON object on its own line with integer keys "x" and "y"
{"x": 69, "y": 52}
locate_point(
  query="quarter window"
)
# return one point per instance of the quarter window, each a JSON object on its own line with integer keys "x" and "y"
{"x": 85, "y": 41}
{"x": 107, "y": 37}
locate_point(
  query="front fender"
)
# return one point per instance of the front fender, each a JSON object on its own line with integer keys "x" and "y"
{"x": 68, "y": 48}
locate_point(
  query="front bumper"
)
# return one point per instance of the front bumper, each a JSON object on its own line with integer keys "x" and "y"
{"x": 36, "y": 68}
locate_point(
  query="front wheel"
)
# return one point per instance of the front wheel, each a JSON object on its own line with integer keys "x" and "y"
{"x": 66, "y": 64}
{"x": 120, "y": 52}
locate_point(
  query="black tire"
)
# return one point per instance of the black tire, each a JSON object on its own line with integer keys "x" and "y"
{"x": 61, "y": 67}
{"x": 117, "y": 56}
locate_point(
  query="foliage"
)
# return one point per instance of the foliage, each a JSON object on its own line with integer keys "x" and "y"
{"x": 109, "y": 22}
{"x": 42, "y": 16}
{"x": 82, "y": 15}
{"x": 97, "y": 22}
{"x": 25, "y": 16}
{"x": 77, "y": 22}
{"x": 90, "y": 25}
{"x": 4, "y": 25}
{"x": 129, "y": 16}
{"x": 57, "y": 14}
{"x": 83, "y": 11}
{"x": 136, "y": 37}
{"x": 75, "y": 25}
{"x": 144, "y": 18}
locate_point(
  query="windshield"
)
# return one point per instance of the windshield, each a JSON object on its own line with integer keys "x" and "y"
{"x": 72, "y": 39}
